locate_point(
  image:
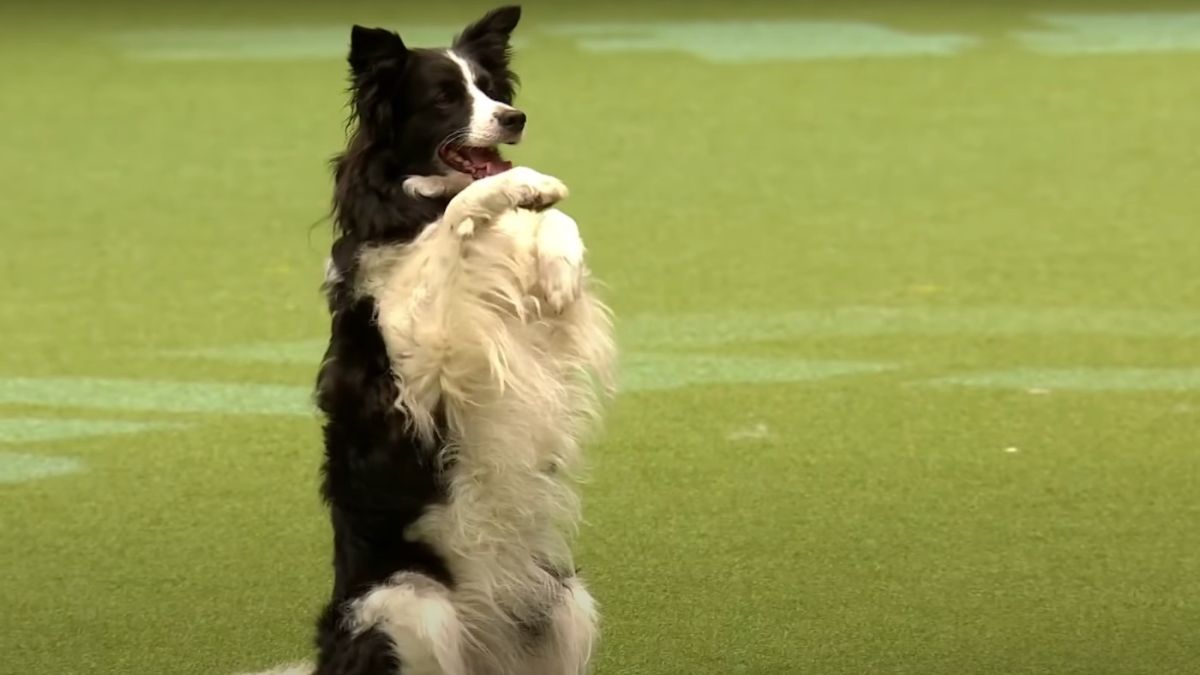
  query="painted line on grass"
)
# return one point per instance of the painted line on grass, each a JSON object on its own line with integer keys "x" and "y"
{"x": 726, "y": 42}
{"x": 158, "y": 396}
{"x": 660, "y": 332}
{"x": 1079, "y": 379}
{"x": 651, "y": 362}
{"x": 261, "y": 44}
{"x": 642, "y": 371}
{"x": 714, "y": 41}
{"x": 298, "y": 352}
{"x": 19, "y": 467}
{"x": 758, "y": 432}
{"x": 1115, "y": 33}
{"x": 725, "y": 328}
{"x": 32, "y": 429}
{"x": 751, "y": 41}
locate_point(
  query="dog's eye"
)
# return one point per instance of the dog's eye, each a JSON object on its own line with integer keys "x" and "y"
{"x": 443, "y": 96}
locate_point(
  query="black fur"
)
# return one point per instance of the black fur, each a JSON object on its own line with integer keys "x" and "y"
{"x": 378, "y": 478}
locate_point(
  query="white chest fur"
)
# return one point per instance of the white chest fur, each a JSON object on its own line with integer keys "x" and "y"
{"x": 470, "y": 331}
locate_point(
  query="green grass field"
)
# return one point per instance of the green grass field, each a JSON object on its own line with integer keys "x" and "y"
{"x": 908, "y": 300}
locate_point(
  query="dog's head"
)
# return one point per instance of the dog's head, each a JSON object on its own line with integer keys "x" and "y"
{"x": 440, "y": 110}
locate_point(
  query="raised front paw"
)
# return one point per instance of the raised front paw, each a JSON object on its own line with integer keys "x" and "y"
{"x": 465, "y": 227}
{"x": 560, "y": 260}
{"x": 433, "y": 187}
{"x": 534, "y": 190}
{"x": 560, "y": 279}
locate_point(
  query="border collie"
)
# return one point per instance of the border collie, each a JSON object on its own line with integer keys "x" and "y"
{"x": 466, "y": 362}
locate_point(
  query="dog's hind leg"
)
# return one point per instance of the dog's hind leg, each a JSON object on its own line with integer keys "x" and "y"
{"x": 574, "y": 631}
{"x": 485, "y": 199}
{"x": 416, "y": 615}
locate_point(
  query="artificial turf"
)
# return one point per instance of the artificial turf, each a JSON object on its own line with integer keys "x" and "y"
{"x": 907, "y": 295}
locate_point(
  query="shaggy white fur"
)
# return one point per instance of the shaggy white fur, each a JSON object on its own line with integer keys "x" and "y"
{"x": 487, "y": 317}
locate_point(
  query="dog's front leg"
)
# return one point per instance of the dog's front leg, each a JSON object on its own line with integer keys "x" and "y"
{"x": 485, "y": 199}
{"x": 433, "y": 187}
{"x": 560, "y": 259}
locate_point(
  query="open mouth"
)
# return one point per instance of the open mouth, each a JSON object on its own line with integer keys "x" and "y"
{"x": 477, "y": 162}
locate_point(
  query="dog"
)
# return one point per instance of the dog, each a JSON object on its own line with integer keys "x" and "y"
{"x": 468, "y": 360}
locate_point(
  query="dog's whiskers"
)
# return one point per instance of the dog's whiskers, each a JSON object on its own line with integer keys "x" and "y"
{"x": 455, "y": 137}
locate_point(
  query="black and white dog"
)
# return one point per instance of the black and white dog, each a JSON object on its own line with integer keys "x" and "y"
{"x": 465, "y": 364}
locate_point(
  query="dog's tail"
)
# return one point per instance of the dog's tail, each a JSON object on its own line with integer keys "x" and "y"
{"x": 301, "y": 668}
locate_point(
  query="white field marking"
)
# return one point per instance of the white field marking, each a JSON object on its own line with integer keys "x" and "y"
{"x": 667, "y": 332}
{"x": 1114, "y": 33}
{"x": 642, "y": 371}
{"x": 1010, "y": 449}
{"x": 755, "y": 433}
{"x": 280, "y": 43}
{"x": 648, "y": 341}
{"x": 750, "y": 41}
{"x": 1079, "y": 379}
{"x": 32, "y": 429}
{"x": 161, "y": 396}
{"x": 19, "y": 467}
{"x": 298, "y": 352}
{"x": 715, "y": 41}
{"x": 299, "y": 668}
{"x": 715, "y": 329}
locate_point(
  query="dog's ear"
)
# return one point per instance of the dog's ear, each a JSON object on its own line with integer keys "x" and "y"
{"x": 487, "y": 39}
{"x": 369, "y": 46}
{"x": 497, "y": 24}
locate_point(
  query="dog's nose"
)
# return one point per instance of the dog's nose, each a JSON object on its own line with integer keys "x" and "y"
{"x": 513, "y": 120}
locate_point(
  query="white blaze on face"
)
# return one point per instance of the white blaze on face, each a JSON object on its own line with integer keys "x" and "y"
{"x": 484, "y": 126}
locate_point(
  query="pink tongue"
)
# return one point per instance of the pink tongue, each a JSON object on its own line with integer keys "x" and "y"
{"x": 486, "y": 162}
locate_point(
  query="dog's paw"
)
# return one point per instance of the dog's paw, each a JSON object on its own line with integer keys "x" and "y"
{"x": 433, "y": 187}
{"x": 534, "y": 190}
{"x": 560, "y": 254}
{"x": 561, "y": 281}
{"x": 465, "y": 228}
